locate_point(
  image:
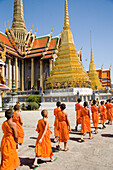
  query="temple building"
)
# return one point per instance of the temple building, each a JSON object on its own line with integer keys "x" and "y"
{"x": 29, "y": 59}
{"x": 68, "y": 70}
{"x": 44, "y": 62}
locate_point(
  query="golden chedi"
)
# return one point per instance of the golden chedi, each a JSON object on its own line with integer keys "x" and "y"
{"x": 68, "y": 70}
{"x": 93, "y": 76}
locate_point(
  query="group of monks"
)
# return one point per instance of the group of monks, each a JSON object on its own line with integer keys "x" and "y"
{"x": 83, "y": 115}
{"x": 14, "y": 134}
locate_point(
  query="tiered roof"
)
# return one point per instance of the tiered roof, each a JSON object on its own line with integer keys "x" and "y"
{"x": 43, "y": 47}
{"x": 5, "y": 43}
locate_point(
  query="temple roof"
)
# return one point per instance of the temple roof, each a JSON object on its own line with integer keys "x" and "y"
{"x": 43, "y": 47}
{"x": 4, "y": 87}
{"x": 5, "y": 42}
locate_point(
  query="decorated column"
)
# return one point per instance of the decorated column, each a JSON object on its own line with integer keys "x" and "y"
{"x": 41, "y": 76}
{"x": 22, "y": 75}
{"x": 16, "y": 83}
{"x": 9, "y": 73}
{"x": 32, "y": 72}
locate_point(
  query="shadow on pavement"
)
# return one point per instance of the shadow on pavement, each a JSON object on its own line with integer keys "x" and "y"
{"x": 33, "y": 138}
{"x": 55, "y": 149}
{"x": 76, "y": 133}
{"x": 107, "y": 135}
{"x": 29, "y": 162}
{"x": 94, "y": 128}
{"x": 31, "y": 146}
{"x": 75, "y": 139}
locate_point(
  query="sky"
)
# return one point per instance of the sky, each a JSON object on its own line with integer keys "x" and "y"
{"x": 84, "y": 16}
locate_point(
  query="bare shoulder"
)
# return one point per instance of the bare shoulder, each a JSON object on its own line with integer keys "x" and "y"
{"x": 19, "y": 114}
{"x": 65, "y": 113}
{"x": 46, "y": 121}
{"x": 13, "y": 125}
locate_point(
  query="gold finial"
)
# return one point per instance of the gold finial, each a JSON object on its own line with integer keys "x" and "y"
{"x": 66, "y": 19}
{"x": 81, "y": 48}
{"x": 110, "y": 67}
{"x": 91, "y": 48}
{"x": 31, "y": 30}
{"x": 102, "y": 67}
{"x": 51, "y": 32}
{"x": 52, "y": 29}
{"x": 36, "y": 29}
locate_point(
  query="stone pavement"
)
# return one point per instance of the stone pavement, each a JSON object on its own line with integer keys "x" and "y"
{"x": 96, "y": 154}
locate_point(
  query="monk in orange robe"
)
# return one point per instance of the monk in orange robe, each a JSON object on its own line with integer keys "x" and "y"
{"x": 107, "y": 111}
{"x": 102, "y": 110}
{"x": 110, "y": 111}
{"x": 78, "y": 108}
{"x": 9, "y": 157}
{"x": 85, "y": 123}
{"x": 56, "y": 131}
{"x": 18, "y": 120}
{"x": 95, "y": 115}
{"x": 43, "y": 142}
{"x": 64, "y": 127}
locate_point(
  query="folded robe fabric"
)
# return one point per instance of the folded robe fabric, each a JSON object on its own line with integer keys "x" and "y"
{"x": 43, "y": 149}
{"x": 9, "y": 157}
{"x": 63, "y": 127}
{"x": 56, "y": 131}
{"x": 19, "y": 129}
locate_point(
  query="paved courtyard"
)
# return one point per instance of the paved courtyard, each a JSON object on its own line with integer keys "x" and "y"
{"x": 96, "y": 154}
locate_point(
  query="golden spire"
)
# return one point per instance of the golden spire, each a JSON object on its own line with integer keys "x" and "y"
{"x": 91, "y": 48}
{"x": 68, "y": 68}
{"x": 66, "y": 19}
{"x": 93, "y": 76}
{"x": 18, "y": 16}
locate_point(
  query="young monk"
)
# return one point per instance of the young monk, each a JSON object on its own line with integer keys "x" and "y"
{"x": 78, "y": 108}
{"x": 85, "y": 123}
{"x": 56, "y": 131}
{"x": 18, "y": 120}
{"x": 102, "y": 110}
{"x": 9, "y": 157}
{"x": 110, "y": 111}
{"x": 43, "y": 143}
{"x": 107, "y": 110}
{"x": 95, "y": 115}
{"x": 64, "y": 127}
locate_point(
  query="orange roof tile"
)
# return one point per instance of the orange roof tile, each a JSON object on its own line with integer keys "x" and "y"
{"x": 53, "y": 43}
{"x": 40, "y": 42}
{"x": 4, "y": 39}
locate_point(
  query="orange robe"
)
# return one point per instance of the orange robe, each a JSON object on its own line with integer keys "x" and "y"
{"x": 63, "y": 127}
{"x": 44, "y": 149}
{"x": 9, "y": 157}
{"x": 103, "y": 116}
{"x": 19, "y": 129}
{"x": 107, "y": 111}
{"x": 78, "y": 108}
{"x": 85, "y": 123}
{"x": 56, "y": 131}
{"x": 110, "y": 111}
{"x": 95, "y": 115}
